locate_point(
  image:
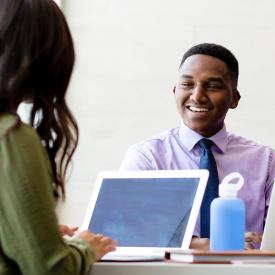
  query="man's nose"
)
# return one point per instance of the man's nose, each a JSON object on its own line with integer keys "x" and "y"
{"x": 199, "y": 94}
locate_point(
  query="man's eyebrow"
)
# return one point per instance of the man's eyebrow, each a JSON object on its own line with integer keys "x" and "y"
{"x": 186, "y": 76}
{"x": 220, "y": 79}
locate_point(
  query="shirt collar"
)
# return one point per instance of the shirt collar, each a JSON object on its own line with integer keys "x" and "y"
{"x": 190, "y": 138}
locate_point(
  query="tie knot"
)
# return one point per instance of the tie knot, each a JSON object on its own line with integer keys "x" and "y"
{"x": 206, "y": 143}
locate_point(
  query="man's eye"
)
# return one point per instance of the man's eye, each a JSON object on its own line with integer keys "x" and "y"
{"x": 214, "y": 86}
{"x": 186, "y": 85}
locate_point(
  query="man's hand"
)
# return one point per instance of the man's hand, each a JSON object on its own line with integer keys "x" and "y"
{"x": 252, "y": 238}
{"x": 199, "y": 243}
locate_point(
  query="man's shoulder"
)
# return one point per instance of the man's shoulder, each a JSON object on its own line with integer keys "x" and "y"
{"x": 236, "y": 140}
{"x": 161, "y": 138}
{"x": 159, "y": 141}
{"x": 153, "y": 153}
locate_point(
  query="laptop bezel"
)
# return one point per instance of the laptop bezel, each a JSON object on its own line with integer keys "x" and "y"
{"x": 195, "y": 173}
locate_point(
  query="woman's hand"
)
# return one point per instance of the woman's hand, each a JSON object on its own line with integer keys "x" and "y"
{"x": 100, "y": 244}
{"x": 66, "y": 230}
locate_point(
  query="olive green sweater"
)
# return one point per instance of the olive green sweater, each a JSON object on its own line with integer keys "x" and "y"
{"x": 29, "y": 237}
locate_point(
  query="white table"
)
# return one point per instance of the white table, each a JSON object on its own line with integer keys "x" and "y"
{"x": 161, "y": 268}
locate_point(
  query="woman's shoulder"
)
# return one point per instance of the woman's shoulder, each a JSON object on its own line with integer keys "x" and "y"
{"x": 13, "y": 130}
{"x": 20, "y": 144}
{"x": 7, "y": 123}
{"x": 12, "y": 124}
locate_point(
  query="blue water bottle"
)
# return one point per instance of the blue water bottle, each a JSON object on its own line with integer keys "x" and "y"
{"x": 227, "y": 216}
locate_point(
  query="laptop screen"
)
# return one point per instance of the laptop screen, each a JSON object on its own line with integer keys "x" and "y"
{"x": 144, "y": 212}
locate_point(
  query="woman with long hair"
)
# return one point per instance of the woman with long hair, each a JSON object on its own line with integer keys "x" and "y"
{"x": 36, "y": 62}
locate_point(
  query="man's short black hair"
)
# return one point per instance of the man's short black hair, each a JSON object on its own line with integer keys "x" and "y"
{"x": 217, "y": 51}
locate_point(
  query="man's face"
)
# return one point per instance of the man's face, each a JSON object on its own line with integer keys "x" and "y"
{"x": 204, "y": 93}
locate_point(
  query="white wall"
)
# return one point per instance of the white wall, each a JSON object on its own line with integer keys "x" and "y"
{"x": 128, "y": 52}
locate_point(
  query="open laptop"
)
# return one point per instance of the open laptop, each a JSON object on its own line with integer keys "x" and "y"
{"x": 268, "y": 240}
{"x": 146, "y": 212}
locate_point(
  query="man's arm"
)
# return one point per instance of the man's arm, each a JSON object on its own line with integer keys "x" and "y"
{"x": 136, "y": 159}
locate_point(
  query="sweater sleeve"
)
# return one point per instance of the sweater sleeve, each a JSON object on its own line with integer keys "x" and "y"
{"x": 29, "y": 235}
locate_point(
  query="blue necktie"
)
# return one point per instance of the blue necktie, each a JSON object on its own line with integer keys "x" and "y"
{"x": 208, "y": 162}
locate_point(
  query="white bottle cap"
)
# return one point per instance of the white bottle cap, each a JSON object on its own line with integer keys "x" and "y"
{"x": 229, "y": 189}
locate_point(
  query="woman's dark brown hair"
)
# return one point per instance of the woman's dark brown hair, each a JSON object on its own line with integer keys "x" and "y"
{"x": 36, "y": 62}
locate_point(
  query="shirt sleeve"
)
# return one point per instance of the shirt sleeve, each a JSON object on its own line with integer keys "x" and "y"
{"x": 30, "y": 238}
{"x": 136, "y": 159}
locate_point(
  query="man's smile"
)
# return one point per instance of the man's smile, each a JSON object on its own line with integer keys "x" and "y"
{"x": 196, "y": 109}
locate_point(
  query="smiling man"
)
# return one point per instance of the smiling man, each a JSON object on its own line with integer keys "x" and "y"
{"x": 205, "y": 90}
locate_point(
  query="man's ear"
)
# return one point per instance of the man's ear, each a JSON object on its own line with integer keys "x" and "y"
{"x": 236, "y": 99}
{"x": 174, "y": 89}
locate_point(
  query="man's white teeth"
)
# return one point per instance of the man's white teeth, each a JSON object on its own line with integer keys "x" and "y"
{"x": 196, "y": 109}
